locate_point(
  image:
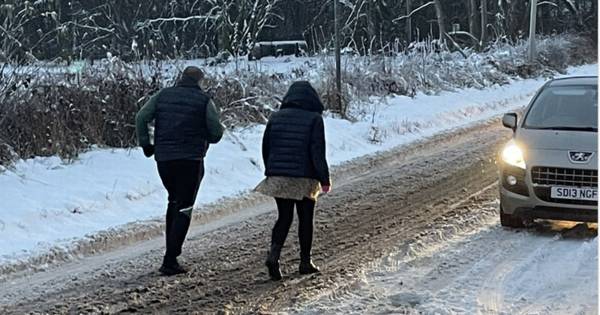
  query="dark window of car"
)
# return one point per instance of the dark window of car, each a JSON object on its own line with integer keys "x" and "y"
{"x": 565, "y": 108}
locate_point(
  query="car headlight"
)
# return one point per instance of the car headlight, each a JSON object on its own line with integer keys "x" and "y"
{"x": 513, "y": 155}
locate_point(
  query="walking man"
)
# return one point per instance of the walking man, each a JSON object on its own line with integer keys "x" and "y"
{"x": 186, "y": 121}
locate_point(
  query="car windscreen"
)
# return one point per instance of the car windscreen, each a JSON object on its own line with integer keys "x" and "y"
{"x": 565, "y": 108}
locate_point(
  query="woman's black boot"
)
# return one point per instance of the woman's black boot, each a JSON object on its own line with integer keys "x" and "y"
{"x": 272, "y": 262}
{"x": 307, "y": 267}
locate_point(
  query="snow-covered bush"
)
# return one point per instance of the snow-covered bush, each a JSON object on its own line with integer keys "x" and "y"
{"x": 429, "y": 70}
{"x": 44, "y": 111}
{"x": 63, "y": 117}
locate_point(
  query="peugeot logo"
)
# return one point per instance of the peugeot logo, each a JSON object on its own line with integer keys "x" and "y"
{"x": 580, "y": 157}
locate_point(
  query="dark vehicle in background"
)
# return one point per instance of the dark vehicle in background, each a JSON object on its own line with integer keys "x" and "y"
{"x": 278, "y": 49}
{"x": 549, "y": 170}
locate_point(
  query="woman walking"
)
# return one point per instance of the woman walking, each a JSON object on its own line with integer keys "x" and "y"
{"x": 293, "y": 151}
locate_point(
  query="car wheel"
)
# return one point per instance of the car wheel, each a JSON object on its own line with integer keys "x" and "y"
{"x": 509, "y": 220}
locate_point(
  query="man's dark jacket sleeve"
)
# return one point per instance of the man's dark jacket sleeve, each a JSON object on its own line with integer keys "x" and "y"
{"x": 213, "y": 123}
{"x": 145, "y": 115}
{"x": 318, "y": 152}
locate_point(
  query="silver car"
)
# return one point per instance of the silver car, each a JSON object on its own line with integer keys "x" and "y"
{"x": 549, "y": 169}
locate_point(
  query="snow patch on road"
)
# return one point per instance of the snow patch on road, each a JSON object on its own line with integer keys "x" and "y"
{"x": 47, "y": 202}
{"x": 477, "y": 268}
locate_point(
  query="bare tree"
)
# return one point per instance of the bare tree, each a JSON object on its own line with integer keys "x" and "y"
{"x": 159, "y": 29}
{"x": 240, "y": 21}
{"x": 17, "y": 44}
{"x": 441, "y": 19}
{"x": 484, "y": 22}
{"x": 408, "y": 22}
{"x": 473, "y": 17}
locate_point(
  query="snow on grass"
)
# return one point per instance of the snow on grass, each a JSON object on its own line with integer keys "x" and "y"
{"x": 46, "y": 202}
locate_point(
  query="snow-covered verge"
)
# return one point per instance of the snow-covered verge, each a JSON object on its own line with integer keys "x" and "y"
{"x": 471, "y": 265}
{"x": 48, "y": 203}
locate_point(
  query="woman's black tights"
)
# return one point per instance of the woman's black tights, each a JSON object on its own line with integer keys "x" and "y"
{"x": 306, "y": 212}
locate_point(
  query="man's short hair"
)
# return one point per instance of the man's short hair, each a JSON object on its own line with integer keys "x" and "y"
{"x": 194, "y": 73}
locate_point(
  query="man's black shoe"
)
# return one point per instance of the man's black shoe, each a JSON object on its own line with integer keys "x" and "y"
{"x": 171, "y": 269}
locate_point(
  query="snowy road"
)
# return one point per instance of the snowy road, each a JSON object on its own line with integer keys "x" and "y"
{"x": 409, "y": 230}
{"x": 471, "y": 265}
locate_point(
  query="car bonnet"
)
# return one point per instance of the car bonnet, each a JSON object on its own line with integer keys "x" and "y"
{"x": 557, "y": 140}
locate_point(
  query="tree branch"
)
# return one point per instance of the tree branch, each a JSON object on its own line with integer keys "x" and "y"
{"x": 141, "y": 25}
{"x": 413, "y": 11}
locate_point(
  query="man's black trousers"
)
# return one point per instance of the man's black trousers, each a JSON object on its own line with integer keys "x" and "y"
{"x": 182, "y": 179}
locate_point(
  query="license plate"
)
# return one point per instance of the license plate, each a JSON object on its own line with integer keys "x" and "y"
{"x": 572, "y": 193}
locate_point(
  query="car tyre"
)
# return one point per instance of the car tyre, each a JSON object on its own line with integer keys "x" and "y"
{"x": 510, "y": 220}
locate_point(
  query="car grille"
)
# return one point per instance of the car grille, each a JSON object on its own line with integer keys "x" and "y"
{"x": 545, "y": 177}
{"x": 554, "y": 176}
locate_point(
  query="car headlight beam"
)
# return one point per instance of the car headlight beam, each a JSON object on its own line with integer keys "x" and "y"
{"x": 513, "y": 155}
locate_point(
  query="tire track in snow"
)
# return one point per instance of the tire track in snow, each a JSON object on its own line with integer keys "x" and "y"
{"x": 480, "y": 269}
{"x": 492, "y": 296}
{"x": 562, "y": 279}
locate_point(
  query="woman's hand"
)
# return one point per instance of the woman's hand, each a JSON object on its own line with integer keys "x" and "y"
{"x": 148, "y": 150}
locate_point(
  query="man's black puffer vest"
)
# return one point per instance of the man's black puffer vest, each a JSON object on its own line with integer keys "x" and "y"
{"x": 181, "y": 131}
{"x": 294, "y": 140}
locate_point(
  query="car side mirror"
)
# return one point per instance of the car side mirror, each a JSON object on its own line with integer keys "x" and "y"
{"x": 510, "y": 121}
